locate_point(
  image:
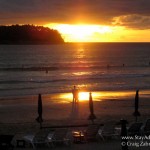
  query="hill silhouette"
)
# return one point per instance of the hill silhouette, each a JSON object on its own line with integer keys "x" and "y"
{"x": 29, "y": 34}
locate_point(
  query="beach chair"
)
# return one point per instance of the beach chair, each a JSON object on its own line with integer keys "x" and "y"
{"x": 91, "y": 133}
{"x": 60, "y": 136}
{"x": 135, "y": 129}
{"x": 145, "y": 129}
{"x": 108, "y": 131}
{"x": 40, "y": 137}
{"x": 5, "y": 142}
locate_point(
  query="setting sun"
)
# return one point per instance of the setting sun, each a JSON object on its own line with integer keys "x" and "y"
{"x": 82, "y": 33}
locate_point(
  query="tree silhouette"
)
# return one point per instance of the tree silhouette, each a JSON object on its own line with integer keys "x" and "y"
{"x": 29, "y": 34}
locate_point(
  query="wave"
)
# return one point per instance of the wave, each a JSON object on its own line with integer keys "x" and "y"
{"x": 30, "y": 69}
{"x": 21, "y": 88}
{"x": 51, "y": 90}
{"x": 55, "y": 68}
{"x": 30, "y": 81}
{"x": 79, "y": 78}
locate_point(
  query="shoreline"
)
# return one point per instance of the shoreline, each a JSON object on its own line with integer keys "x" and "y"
{"x": 59, "y": 107}
{"x": 97, "y": 95}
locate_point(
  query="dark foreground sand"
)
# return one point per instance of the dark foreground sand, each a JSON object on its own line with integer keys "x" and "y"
{"x": 109, "y": 145}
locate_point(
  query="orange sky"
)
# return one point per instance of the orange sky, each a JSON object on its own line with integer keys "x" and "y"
{"x": 83, "y": 20}
{"x": 100, "y": 33}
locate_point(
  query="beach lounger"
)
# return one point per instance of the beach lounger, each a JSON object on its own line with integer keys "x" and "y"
{"x": 91, "y": 133}
{"x": 135, "y": 129}
{"x": 146, "y": 128}
{"x": 5, "y": 142}
{"x": 60, "y": 136}
{"x": 108, "y": 131}
{"x": 40, "y": 137}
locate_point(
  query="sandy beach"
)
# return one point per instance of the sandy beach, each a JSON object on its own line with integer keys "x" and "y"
{"x": 17, "y": 114}
{"x": 58, "y": 107}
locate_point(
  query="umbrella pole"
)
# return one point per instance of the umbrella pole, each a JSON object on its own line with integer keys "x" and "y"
{"x": 92, "y": 121}
{"x": 40, "y": 125}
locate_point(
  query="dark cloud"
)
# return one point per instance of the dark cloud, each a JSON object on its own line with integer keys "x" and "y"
{"x": 74, "y": 11}
{"x": 133, "y": 21}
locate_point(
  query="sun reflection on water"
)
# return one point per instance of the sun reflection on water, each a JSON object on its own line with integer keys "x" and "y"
{"x": 81, "y": 73}
{"x": 80, "y": 53}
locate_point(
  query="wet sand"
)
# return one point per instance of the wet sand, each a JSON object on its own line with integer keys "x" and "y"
{"x": 57, "y": 108}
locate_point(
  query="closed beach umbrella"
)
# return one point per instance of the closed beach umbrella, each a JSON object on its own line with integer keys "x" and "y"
{"x": 136, "y": 112}
{"x": 39, "y": 119}
{"x": 92, "y": 115}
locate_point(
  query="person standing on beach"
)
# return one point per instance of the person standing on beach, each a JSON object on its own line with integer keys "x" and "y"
{"x": 75, "y": 93}
{"x": 75, "y": 106}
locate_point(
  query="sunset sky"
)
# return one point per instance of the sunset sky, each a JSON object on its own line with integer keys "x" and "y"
{"x": 83, "y": 20}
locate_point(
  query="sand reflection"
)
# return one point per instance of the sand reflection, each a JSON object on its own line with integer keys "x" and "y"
{"x": 97, "y": 96}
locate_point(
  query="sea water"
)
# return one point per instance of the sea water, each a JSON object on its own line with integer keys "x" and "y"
{"x": 48, "y": 69}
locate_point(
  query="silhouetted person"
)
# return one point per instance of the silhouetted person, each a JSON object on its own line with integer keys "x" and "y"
{"x": 75, "y": 93}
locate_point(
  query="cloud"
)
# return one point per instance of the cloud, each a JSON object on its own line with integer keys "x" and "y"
{"x": 133, "y": 21}
{"x": 73, "y": 11}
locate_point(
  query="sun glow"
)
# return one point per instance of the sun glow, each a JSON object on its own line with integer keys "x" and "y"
{"x": 83, "y": 96}
{"x": 80, "y": 32}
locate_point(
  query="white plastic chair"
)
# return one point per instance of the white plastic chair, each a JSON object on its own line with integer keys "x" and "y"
{"x": 40, "y": 137}
{"x": 60, "y": 136}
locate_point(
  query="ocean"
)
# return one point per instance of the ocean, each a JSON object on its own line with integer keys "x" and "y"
{"x": 48, "y": 69}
